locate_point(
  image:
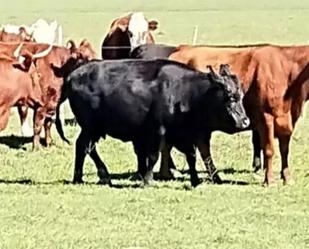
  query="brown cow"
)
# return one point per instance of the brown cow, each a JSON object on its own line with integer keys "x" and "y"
{"x": 274, "y": 80}
{"x": 127, "y": 33}
{"x": 11, "y": 37}
{"x": 50, "y": 84}
{"x": 19, "y": 85}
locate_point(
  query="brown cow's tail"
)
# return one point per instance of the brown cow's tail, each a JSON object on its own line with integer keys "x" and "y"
{"x": 58, "y": 123}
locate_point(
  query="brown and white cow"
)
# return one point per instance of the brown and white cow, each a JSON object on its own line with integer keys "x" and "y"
{"x": 50, "y": 84}
{"x": 275, "y": 80}
{"x": 127, "y": 33}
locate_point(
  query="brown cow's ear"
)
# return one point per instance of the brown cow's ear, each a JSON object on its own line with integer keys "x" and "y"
{"x": 84, "y": 43}
{"x": 152, "y": 25}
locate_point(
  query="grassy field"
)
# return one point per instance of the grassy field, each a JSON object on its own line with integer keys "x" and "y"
{"x": 38, "y": 209}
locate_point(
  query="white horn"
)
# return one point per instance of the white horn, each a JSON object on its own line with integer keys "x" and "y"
{"x": 43, "y": 53}
{"x": 17, "y": 50}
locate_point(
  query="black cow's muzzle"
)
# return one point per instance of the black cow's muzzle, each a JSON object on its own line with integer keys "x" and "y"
{"x": 244, "y": 123}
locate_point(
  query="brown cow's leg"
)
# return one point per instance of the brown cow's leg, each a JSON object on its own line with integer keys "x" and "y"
{"x": 38, "y": 122}
{"x": 256, "y": 164}
{"x": 4, "y": 118}
{"x": 47, "y": 127}
{"x": 211, "y": 169}
{"x": 268, "y": 147}
{"x": 284, "y": 151}
{"x": 25, "y": 129}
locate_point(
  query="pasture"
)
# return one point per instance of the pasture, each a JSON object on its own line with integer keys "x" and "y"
{"x": 40, "y": 209}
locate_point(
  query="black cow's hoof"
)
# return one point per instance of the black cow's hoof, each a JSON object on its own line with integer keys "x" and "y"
{"x": 105, "y": 181}
{"x": 78, "y": 181}
{"x": 136, "y": 177}
{"x": 257, "y": 168}
{"x": 195, "y": 182}
{"x": 216, "y": 179}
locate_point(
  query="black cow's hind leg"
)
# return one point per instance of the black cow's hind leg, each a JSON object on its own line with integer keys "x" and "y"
{"x": 166, "y": 163}
{"x": 256, "y": 164}
{"x": 101, "y": 167}
{"x": 191, "y": 160}
{"x": 82, "y": 144}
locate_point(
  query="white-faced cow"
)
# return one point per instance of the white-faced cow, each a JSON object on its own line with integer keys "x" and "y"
{"x": 127, "y": 33}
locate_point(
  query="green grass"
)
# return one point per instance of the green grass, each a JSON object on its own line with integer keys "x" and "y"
{"x": 39, "y": 210}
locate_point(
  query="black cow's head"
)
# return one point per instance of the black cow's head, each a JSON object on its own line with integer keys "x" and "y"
{"x": 226, "y": 101}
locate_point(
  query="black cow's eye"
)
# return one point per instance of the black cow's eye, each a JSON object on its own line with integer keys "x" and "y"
{"x": 130, "y": 33}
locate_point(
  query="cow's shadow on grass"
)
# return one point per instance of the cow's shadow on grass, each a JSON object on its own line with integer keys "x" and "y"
{"x": 17, "y": 142}
{"x": 132, "y": 180}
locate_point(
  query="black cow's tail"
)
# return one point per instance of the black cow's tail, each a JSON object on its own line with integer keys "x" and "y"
{"x": 63, "y": 97}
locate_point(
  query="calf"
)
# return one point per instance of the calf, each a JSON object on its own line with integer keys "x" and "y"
{"x": 142, "y": 101}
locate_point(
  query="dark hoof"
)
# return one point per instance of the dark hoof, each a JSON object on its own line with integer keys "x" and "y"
{"x": 195, "y": 182}
{"x": 256, "y": 169}
{"x": 165, "y": 176}
{"x": 78, "y": 181}
{"x": 216, "y": 179}
{"x": 136, "y": 177}
{"x": 105, "y": 181}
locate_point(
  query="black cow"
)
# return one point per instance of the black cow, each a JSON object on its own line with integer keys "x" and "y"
{"x": 144, "y": 100}
{"x": 168, "y": 168}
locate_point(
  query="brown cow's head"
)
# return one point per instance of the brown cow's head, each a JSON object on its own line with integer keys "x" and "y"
{"x": 84, "y": 51}
{"x": 79, "y": 56}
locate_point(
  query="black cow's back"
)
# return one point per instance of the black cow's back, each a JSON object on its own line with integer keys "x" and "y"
{"x": 121, "y": 97}
{"x": 152, "y": 51}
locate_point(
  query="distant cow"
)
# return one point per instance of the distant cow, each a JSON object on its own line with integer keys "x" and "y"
{"x": 22, "y": 35}
{"x": 49, "y": 82}
{"x": 125, "y": 34}
{"x": 40, "y": 31}
{"x": 141, "y": 101}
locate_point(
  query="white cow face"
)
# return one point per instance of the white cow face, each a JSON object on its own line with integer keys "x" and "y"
{"x": 138, "y": 28}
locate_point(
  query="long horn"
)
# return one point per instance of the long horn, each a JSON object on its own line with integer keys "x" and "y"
{"x": 43, "y": 53}
{"x": 17, "y": 50}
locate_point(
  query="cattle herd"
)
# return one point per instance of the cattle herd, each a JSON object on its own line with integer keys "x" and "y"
{"x": 156, "y": 96}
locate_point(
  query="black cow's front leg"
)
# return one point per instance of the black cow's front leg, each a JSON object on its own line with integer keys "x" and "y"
{"x": 204, "y": 148}
{"x": 101, "y": 167}
{"x": 81, "y": 147}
